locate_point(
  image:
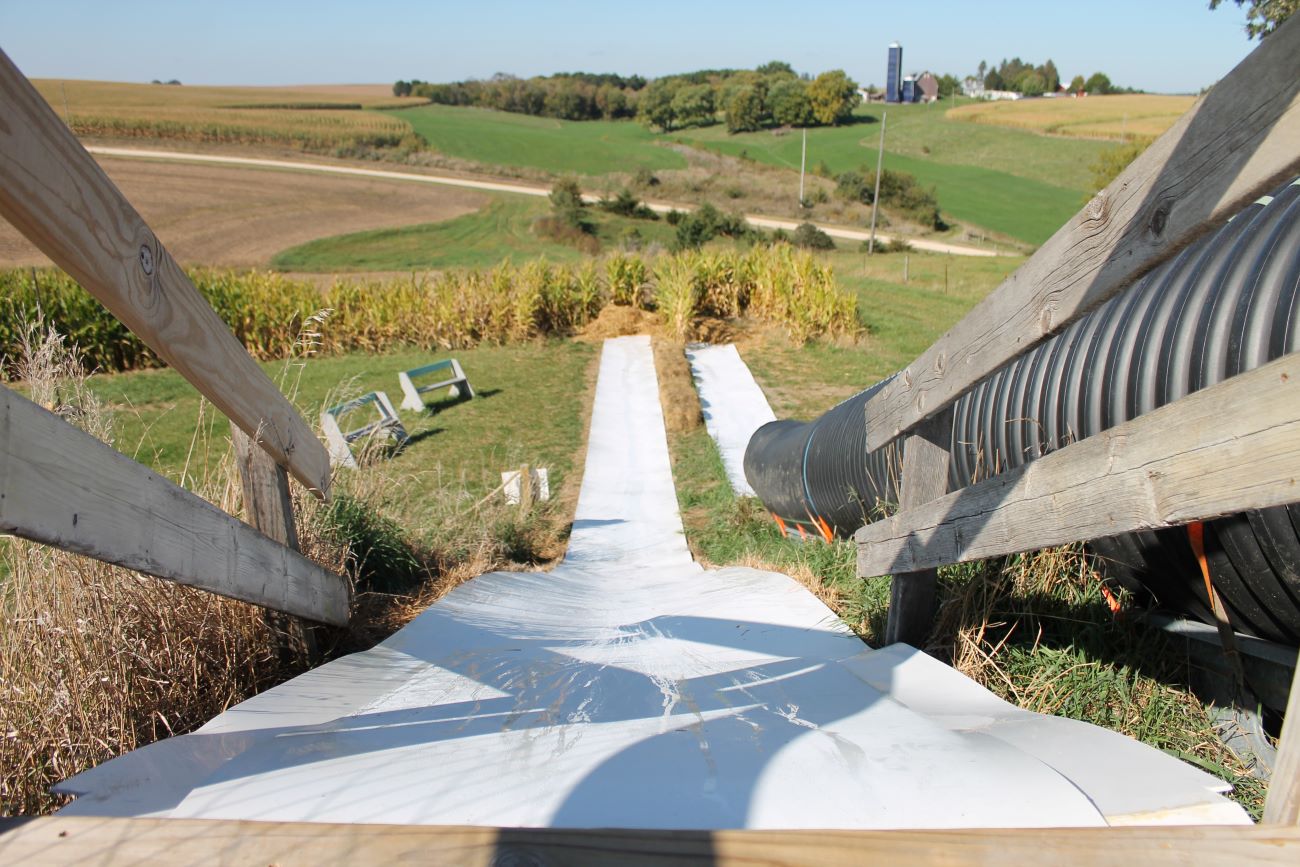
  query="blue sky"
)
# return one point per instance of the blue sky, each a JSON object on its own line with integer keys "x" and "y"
{"x": 1158, "y": 45}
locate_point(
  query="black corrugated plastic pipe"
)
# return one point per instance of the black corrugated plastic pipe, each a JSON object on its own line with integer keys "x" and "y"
{"x": 1227, "y": 304}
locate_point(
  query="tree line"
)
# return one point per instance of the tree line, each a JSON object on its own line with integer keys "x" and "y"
{"x": 1030, "y": 80}
{"x": 749, "y": 99}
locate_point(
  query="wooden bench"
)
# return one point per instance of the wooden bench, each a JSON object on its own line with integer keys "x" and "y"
{"x": 457, "y": 384}
{"x": 340, "y": 443}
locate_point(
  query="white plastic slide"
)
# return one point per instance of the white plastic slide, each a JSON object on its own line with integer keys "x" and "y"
{"x": 631, "y": 688}
{"x": 733, "y": 404}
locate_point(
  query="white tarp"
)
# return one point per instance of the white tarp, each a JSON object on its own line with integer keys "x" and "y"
{"x": 631, "y": 688}
{"x": 734, "y": 406}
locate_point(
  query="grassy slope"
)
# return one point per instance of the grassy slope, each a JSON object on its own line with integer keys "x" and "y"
{"x": 465, "y": 443}
{"x": 502, "y": 230}
{"x": 500, "y": 138}
{"x": 1010, "y": 181}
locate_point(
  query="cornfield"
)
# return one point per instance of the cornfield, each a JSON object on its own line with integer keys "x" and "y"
{"x": 455, "y": 309}
{"x": 309, "y": 119}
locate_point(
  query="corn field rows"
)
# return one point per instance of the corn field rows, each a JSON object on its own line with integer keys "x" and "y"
{"x": 270, "y": 313}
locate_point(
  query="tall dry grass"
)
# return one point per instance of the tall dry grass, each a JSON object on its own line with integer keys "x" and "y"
{"x": 457, "y": 309}
{"x": 97, "y": 660}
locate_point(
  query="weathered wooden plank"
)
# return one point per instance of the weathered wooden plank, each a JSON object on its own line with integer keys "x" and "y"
{"x": 1186, "y": 461}
{"x": 913, "y": 595}
{"x": 1236, "y": 143}
{"x": 82, "y": 840}
{"x": 63, "y": 487}
{"x": 1282, "y": 806}
{"x": 58, "y": 196}
{"x": 268, "y": 507}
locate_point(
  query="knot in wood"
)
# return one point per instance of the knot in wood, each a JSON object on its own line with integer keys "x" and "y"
{"x": 1159, "y": 220}
{"x": 1097, "y": 207}
{"x": 146, "y": 259}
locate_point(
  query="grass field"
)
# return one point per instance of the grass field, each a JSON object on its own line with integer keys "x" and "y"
{"x": 463, "y": 445}
{"x": 1138, "y": 115}
{"x": 1012, "y": 182}
{"x": 1009, "y": 181}
{"x": 560, "y": 146}
{"x": 501, "y": 230}
{"x": 315, "y": 118}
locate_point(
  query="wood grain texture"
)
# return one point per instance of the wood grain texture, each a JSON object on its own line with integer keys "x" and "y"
{"x": 63, "y": 487}
{"x": 84, "y": 840}
{"x": 1236, "y": 143}
{"x": 913, "y": 596}
{"x": 268, "y": 508}
{"x": 1228, "y": 448}
{"x": 61, "y": 200}
{"x": 1282, "y": 806}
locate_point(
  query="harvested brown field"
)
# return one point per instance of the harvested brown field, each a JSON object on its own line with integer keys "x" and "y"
{"x": 322, "y": 118}
{"x": 240, "y": 217}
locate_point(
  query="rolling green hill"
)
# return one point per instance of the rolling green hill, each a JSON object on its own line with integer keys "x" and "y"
{"x": 561, "y": 146}
{"x": 1013, "y": 182}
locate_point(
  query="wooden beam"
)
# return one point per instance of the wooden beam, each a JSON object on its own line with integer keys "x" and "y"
{"x": 61, "y": 486}
{"x": 268, "y": 507}
{"x": 913, "y": 595}
{"x": 1236, "y": 143}
{"x": 1282, "y": 806}
{"x": 110, "y": 841}
{"x": 58, "y": 196}
{"x": 1183, "y": 462}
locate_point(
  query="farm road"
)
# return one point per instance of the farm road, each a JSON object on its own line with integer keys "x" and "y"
{"x": 240, "y": 216}
{"x": 500, "y": 187}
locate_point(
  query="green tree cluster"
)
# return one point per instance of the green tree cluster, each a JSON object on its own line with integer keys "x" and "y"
{"x": 899, "y": 191}
{"x": 1021, "y": 77}
{"x": 565, "y": 95}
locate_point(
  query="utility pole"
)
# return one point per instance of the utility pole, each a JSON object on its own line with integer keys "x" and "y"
{"x": 803, "y": 162}
{"x": 875, "y": 198}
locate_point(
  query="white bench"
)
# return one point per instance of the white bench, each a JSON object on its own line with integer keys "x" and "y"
{"x": 340, "y": 443}
{"x": 456, "y": 384}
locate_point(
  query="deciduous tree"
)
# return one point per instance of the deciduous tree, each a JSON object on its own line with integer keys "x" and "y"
{"x": 790, "y": 103}
{"x": 833, "y": 96}
{"x": 1263, "y": 16}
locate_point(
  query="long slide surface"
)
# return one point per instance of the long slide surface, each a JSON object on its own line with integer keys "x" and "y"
{"x": 629, "y": 687}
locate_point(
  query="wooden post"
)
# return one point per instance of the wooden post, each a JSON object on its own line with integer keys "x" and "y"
{"x": 912, "y": 595}
{"x": 55, "y": 194}
{"x": 60, "y": 486}
{"x": 525, "y": 488}
{"x": 1282, "y": 807}
{"x": 268, "y": 506}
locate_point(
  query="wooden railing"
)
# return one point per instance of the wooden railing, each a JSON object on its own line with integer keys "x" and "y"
{"x": 1185, "y": 462}
{"x": 64, "y": 488}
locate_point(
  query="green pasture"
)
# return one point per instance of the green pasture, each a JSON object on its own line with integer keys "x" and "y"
{"x": 1013, "y": 182}
{"x": 458, "y": 445}
{"x": 501, "y": 230}
{"x": 559, "y": 146}
{"x": 1010, "y": 181}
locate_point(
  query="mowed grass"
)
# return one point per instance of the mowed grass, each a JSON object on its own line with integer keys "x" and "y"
{"x": 502, "y": 230}
{"x": 313, "y": 117}
{"x": 458, "y": 445}
{"x": 1012, "y": 182}
{"x": 901, "y": 321}
{"x": 559, "y": 146}
{"x": 1119, "y": 116}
